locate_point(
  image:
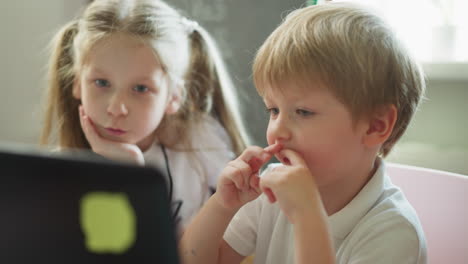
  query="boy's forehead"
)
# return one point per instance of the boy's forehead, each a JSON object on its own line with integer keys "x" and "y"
{"x": 292, "y": 88}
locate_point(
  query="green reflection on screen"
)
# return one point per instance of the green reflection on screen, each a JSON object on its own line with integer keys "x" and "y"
{"x": 108, "y": 222}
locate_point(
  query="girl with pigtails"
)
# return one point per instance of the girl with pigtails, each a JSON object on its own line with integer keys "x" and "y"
{"x": 136, "y": 81}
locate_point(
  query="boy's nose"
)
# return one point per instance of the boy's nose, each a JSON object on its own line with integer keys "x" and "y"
{"x": 280, "y": 130}
{"x": 117, "y": 106}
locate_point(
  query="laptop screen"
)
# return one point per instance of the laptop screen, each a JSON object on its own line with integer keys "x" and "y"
{"x": 61, "y": 209}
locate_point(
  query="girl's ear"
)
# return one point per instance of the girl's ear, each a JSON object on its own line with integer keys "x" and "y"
{"x": 76, "y": 90}
{"x": 173, "y": 104}
{"x": 381, "y": 125}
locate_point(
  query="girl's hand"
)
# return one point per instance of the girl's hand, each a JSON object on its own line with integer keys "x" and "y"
{"x": 107, "y": 148}
{"x": 239, "y": 181}
{"x": 292, "y": 186}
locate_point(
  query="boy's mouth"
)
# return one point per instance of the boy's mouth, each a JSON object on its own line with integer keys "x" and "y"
{"x": 282, "y": 159}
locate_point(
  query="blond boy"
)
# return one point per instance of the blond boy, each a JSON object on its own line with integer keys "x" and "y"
{"x": 340, "y": 91}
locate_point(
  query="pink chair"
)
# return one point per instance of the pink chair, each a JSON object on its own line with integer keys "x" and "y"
{"x": 441, "y": 200}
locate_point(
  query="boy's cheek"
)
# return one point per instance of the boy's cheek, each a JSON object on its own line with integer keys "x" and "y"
{"x": 269, "y": 141}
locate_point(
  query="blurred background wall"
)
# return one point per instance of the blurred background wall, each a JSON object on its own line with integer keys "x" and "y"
{"x": 26, "y": 28}
{"x": 438, "y": 137}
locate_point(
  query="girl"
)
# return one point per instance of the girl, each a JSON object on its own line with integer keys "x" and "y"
{"x": 136, "y": 81}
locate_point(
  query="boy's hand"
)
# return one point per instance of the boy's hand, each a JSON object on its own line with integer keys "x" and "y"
{"x": 292, "y": 186}
{"x": 239, "y": 181}
{"x": 107, "y": 148}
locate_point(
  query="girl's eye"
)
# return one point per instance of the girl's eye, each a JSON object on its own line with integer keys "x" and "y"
{"x": 140, "y": 89}
{"x": 101, "y": 83}
{"x": 302, "y": 112}
{"x": 273, "y": 111}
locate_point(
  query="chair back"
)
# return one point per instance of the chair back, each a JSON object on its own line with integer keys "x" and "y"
{"x": 441, "y": 201}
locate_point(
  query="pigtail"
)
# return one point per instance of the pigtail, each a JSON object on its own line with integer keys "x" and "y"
{"x": 209, "y": 88}
{"x": 61, "y": 111}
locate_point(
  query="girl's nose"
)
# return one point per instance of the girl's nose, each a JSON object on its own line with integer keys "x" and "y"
{"x": 117, "y": 106}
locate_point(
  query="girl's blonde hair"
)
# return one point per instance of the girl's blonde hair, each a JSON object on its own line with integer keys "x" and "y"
{"x": 352, "y": 52}
{"x": 188, "y": 56}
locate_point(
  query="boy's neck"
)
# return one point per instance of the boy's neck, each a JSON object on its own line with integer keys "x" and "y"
{"x": 348, "y": 188}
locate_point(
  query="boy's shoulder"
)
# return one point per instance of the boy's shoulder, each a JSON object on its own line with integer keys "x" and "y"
{"x": 388, "y": 227}
{"x": 391, "y": 203}
{"x": 391, "y": 213}
{"x": 389, "y": 233}
{"x": 380, "y": 200}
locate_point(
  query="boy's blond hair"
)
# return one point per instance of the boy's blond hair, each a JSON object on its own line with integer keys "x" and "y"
{"x": 352, "y": 52}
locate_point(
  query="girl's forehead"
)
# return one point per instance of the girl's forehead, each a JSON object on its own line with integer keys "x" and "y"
{"x": 120, "y": 48}
{"x": 124, "y": 39}
{"x": 114, "y": 44}
{"x": 119, "y": 42}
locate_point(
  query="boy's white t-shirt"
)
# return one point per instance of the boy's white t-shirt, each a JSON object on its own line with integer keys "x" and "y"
{"x": 194, "y": 173}
{"x": 377, "y": 226}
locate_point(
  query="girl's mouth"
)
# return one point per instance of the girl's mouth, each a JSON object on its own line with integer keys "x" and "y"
{"x": 115, "y": 131}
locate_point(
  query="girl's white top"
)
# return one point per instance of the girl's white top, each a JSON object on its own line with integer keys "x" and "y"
{"x": 194, "y": 172}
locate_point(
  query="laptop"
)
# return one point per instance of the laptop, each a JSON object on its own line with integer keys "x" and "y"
{"x": 82, "y": 209}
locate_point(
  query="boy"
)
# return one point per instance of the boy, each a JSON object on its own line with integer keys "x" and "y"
{"x": 340, "y": 91}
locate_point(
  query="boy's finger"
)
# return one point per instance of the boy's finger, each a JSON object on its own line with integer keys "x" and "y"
{"x": 255, "y": 157}
{"x": 250, "y": 152}
{"x": 255, "y": 164}
{"x": 255, "y": 183}
{"x": 265, "y": 155}
{"x": 241, "y": 175}
{"x": 269, "y": 193}
{"x": 269, "y": 152}
{"x": 273, "y": 149}
{"x": 264, "y": 186}
{"x": 290, "y": 157}
{"x": 238, "y": 181}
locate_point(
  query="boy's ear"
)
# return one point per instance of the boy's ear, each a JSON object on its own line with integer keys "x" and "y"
{"x": 76, "y": 90}
{"x": 173, "y": 104}
{"x": 380, "y": 125}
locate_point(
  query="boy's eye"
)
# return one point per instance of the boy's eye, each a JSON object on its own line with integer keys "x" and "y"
{"x": 101, "y": 83}
{"x": 273, "y": 111}
{"x": 303, "y": 112}
{"x": 140, "y": 88}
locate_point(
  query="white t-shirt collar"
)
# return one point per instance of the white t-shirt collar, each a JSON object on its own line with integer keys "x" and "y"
{"x": 343, "y": 221}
